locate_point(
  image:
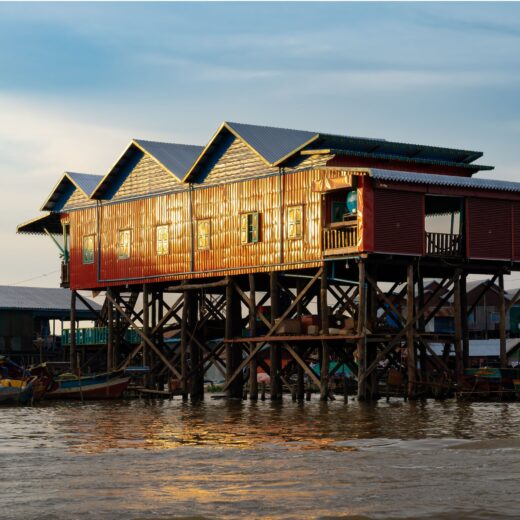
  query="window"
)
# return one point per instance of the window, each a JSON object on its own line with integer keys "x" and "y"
{"x": 203, "y": 234}
{"x": 161, "y": 239}
{"x": 88, "y": 249}
{"x": 249, "y": 229}
{"x": 123, "y": 244}
{"x": 295, "y": 221}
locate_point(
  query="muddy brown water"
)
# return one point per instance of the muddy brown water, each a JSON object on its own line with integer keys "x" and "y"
{"x": 170, "y": 460}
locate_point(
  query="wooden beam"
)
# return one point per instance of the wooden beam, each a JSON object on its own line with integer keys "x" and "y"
{"x": 145, "y": 338}
{"x": 324, "y": 309}
{"x": 502, "y": 324}
{"x": 72, "y": 346}
{"x": 362, "y": 333}
{"x": 253, "y": 365}
{"x": 410, "y": 336}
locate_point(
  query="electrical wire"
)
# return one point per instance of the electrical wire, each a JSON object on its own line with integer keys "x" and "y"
{"x": 33, "y": 278}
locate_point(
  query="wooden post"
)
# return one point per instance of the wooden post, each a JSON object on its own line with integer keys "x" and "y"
{"x": 502, "y": 324}
{"x": 422, "y": 327}
{"x": 300, "y": 381}
{"x": 457, "y": 340}
{"x": 325, "y": 357}
{"x": 197, "y": 379}
{"x": 410, "y": 334}
{"x": 233, "y": 350}
{"x": 73, "y": 352}
{"x": 110, "y": 335}
{"x": 153, "y": 323}
{"x": 361, "y": 330}
{"x": 464, "y": 319}
{"x": 253, "y": 365}
{"x": 184, "y": 346}
{"x": 146, "y": 331}
{"x": 275, "y": 354}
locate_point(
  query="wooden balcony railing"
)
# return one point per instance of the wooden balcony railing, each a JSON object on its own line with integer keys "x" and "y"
{"x": 96, "y": 336}
{"x": 443, "y": 244}
{"x": 65, "y": 274}
{"x": 340, "y": 238}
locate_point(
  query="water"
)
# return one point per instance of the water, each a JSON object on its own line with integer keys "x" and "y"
{"x": 168, "y": 460}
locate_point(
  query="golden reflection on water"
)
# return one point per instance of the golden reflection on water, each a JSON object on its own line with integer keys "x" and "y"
{"x": 97, "y": 427}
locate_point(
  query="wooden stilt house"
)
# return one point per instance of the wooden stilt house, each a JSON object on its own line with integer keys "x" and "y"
{"x": 269, "y": 200}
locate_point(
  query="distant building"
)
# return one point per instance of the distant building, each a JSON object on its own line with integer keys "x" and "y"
{"x": 28, "y": 317}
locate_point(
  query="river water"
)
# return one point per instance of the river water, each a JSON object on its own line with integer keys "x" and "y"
{"x": 230, "y": 459}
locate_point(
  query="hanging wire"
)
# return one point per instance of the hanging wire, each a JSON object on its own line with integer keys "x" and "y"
{"x": 33, "y": 278}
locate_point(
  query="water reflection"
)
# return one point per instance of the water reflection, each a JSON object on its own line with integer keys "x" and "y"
{"x": 161, "y": 425}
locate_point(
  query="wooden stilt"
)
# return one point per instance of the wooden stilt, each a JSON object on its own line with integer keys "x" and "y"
{"x": 184, "y": 347}
{"x": 197, "y": 374}
{"x": 410, "y": 334}
{"x": 457, "y": 340}
{"x": 361, "y": 343}
{"x": 423, "y": 359}
{"x": 502, "y": 324}
{"x": 110, "y": 335}
{"x": 253, "y": 364}
{"x": 275, "y": 354}
{"x": 300, "y": 378}
{"x": 464, "y": 318}
{"x": 325, "y": 357}
{"x": 73, "y": 352}
{"x": 146, "y": 331}
{"x": 233, "y": 350}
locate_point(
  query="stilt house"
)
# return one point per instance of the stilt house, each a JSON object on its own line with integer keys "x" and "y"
{"x": 259, "y": 199}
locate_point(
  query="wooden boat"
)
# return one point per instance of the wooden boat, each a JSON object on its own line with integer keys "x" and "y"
{"x": 16, "y": 391}
{"x": 16, "y": 383}
{"x": 43, "y": 380}
{"x": 109, "y": 385}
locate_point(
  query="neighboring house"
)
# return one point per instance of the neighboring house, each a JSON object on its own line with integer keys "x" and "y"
{"x": 483, "y": 352}
{"x": 32, "y": 317}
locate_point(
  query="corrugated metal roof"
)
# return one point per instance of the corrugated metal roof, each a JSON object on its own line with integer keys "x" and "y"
{"x": 272, "y": 143}
{"x": 85, "y": 181}
{"x": 397, "y": 154}
{"x": 39, "y": 298}
{"x": 37, "y": 226}
{"x": 391, "y": 148}
{"x": 444, "y": 180}
{"x": 69, "y": 181}
{"x": 177, "y": 158}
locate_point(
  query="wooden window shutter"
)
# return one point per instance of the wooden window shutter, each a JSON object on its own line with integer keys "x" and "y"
{"x": 243, "y": 228}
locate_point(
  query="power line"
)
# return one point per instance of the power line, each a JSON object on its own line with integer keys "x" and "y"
{"x": 33, "y": 278}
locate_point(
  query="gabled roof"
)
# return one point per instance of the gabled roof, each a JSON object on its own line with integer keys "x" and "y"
{"x": 272, "y": 145}
{"x": 176, "y": 159}
{"x": 40, "y": 298}
{"x": 275, "y": 145}
{"x": 68, "y": 182}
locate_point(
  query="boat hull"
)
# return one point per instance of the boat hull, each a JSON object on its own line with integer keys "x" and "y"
{"x": 16, "y": 394}
{"x": 103, "y": 386}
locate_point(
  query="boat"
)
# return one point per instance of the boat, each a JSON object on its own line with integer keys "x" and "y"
{"x": 43, "y": 380}
{"x": 108, "y": 385}
{"x": 16, "y": 383}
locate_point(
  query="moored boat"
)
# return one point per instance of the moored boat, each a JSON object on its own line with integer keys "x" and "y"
{"x": 16, "y": 383}
{"x": 109, "y": 385}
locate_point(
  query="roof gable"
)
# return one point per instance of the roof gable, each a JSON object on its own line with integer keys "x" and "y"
{"x": 271, "y": 145}
{"x": 71, "y": 185}
{"x": 174, "y": 159}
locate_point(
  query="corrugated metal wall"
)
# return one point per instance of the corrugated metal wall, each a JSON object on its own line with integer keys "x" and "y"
{"x": 489, "y": 228}
{"x": 82, "y": 223}
{"x": 516, "y": 230}
{"x": 398, "y": 222}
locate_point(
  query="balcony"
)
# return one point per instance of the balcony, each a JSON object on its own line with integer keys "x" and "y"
{"x": 443, "y": 244}
{"x": 96, "y": 336}
{"x": 340, "y": 238}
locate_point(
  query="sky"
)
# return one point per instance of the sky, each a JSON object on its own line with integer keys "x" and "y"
{"x": 79, "y": 80}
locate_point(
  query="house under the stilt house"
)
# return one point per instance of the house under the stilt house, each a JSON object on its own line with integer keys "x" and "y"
{"x": 300, "y": 241}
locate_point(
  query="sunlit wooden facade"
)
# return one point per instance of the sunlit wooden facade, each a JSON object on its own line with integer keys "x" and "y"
{"x": 265, "y": 200}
